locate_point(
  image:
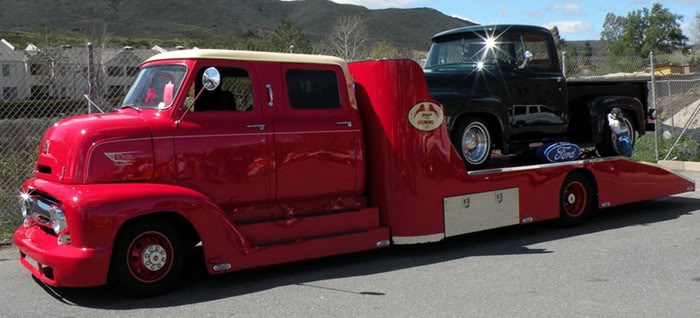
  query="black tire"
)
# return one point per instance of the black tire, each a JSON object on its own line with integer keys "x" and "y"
{"x": 137, "y": 268}
{"x": 478, "y": 152}
{"x": 576, "y": 199}
{"x": 607, "y": 147}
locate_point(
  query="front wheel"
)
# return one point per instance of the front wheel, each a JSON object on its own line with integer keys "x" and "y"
{"x": 147, "y": 259}
{"x": 473, "y": 141}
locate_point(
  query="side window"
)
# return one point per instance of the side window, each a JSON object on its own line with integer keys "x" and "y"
{"x": 235, "y": 93}
{"x": 538, "y": 45}
{"x": 313, "y": 89}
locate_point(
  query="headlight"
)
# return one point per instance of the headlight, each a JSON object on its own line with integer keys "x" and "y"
{"x": 58, "y": 220}
{"x": 25, "y": 208}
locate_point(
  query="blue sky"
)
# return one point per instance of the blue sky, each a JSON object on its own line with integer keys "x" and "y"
{"x": 576, "y": 20}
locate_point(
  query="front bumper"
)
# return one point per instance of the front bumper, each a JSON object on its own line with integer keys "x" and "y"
{"x": 60, "y": 265}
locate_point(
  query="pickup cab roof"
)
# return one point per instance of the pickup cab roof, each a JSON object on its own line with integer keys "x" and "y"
{"x": 491, "y": 28}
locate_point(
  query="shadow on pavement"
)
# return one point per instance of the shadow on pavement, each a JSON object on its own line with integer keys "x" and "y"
{"x": 198, "y": 286}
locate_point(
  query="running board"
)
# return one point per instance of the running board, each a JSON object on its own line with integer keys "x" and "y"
{"x": 313, "y": 248}
{"x": 308, "y": 227}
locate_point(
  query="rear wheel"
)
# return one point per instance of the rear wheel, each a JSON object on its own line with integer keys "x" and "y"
{"x": 147, "y": 260}
{"x": 608, "y": 146}
{"x": 576, "y": 199}
{"x": 473, "y": 141}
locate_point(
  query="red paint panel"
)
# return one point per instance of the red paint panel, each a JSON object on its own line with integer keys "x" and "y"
{"x": 316, "y": 153}
{"x": 310, "y": 226}
{"x": 625, "y": 181}
{"x": 120, "y": 160}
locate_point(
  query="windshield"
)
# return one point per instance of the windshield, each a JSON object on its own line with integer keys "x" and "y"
{"x": 471, "y": 49}
{"x": 156, "y": 86}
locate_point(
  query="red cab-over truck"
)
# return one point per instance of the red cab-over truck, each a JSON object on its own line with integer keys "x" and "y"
{"x": 267, "y": 158}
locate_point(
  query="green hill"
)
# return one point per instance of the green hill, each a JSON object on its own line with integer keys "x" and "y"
{"x": 218, "y": 19}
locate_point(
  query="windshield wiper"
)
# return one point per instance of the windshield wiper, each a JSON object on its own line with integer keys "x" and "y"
{"x": 132, "y": 106}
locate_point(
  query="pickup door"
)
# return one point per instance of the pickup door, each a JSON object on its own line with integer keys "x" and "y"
{"x": 537, "y": 91}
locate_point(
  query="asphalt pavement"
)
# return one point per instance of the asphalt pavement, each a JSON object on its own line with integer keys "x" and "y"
{"x": 639, "y": 260}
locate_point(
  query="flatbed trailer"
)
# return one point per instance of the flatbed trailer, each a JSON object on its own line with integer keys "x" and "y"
{"x": 413, "y": 186}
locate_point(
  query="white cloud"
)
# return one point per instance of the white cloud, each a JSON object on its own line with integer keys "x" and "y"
{"x": 570, "y": 27}
{"x": 568, "y": 8}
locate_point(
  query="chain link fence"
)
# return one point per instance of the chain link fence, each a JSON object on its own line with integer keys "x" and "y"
{"x": 673, "y": 83}
{"x": 40, "y": 86}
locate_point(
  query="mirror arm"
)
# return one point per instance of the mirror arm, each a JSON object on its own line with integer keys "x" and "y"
{"x": 177, "y": 122}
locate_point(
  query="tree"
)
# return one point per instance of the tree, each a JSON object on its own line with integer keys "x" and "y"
{"x": 612, "y": 28}
{"x": 289, "y": 37}
{"x": 558, "y": 40}
{"x": 383, "y": 50}
{"x": 587, "y": 49}
{"x": 656, "y": 30}
{"x": 349, "y": 36}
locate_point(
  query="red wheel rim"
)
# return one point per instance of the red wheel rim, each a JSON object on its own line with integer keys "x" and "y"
{"x": 150, "y": 257}
{"x": 574, "y": 199}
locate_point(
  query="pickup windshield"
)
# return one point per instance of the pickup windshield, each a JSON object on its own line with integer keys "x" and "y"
{"x": 471, "y": 48}
{"x": 156, "y": 86}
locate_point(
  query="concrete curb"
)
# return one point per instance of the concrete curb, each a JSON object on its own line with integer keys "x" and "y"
{"x": 680, "y": 165}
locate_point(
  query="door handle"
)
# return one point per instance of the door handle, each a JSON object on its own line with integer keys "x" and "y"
{"x": 346, "y": 123}
{"x": 258, "y": 126}
{"x": 269, "y": 91}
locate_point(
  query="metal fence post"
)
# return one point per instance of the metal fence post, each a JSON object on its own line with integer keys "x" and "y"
{"x": 89, "y": 75}
{"x": 563, "y": 63}
{"x": 673, "y": 112}
{"x": 653, "y": 103}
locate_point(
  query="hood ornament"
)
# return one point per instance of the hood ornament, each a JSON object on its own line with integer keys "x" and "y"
{"x": 47, "y": 143}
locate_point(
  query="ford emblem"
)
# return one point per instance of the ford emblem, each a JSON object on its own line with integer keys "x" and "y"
{"x": 559, "y": 152}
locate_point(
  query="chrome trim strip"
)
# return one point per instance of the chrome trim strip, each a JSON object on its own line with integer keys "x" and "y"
{"x": 544, "y": 165}
{"x": 405, "y": 240}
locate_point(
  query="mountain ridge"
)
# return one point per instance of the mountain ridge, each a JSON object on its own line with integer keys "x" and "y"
{"x": 219, "y": 19}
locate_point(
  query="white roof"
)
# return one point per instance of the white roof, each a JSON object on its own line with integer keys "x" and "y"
{"x": 249, "y": 56}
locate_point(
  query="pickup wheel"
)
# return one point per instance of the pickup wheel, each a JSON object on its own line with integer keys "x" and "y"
{"x": 576, "y": 199}
{"x": 147, "y": 260}
{"x": 608, "y": 146}
{"x": 473, "y": 141}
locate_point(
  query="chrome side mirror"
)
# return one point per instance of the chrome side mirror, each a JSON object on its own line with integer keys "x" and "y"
{"x": 211, "y": 79}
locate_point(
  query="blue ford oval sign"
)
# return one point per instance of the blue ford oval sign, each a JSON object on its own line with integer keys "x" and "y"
{"x": 559, "y": 152}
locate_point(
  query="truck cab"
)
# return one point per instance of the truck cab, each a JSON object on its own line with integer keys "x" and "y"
{"x": 503, "y": 88}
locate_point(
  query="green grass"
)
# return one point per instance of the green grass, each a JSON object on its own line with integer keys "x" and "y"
{"x": 686, "y": 149}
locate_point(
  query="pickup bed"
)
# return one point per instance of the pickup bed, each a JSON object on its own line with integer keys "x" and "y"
{"x": 502, "y": 88}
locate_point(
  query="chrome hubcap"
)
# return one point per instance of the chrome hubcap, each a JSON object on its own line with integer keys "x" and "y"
{"x": 474, "y": 144}
{"x": 154, "y": 257}
{"x": 572, "y": 198}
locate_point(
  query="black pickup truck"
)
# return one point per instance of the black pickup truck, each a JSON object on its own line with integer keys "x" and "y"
{"x": 503, "y": 88}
